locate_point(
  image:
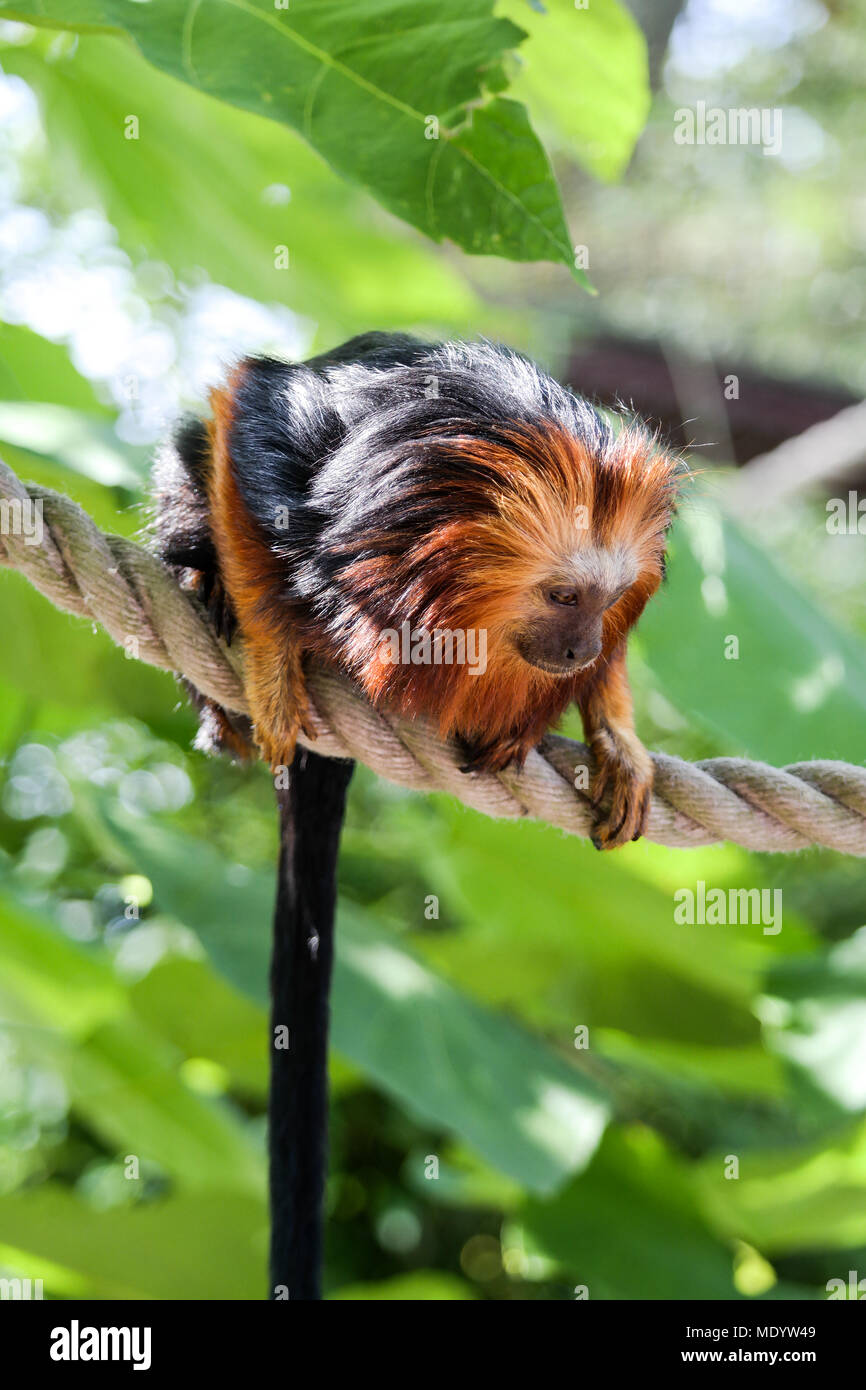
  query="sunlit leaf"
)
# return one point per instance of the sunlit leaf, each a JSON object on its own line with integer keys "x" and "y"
{"x": 233, "y": 189}
{"x": 583, "y": 73}
{"x": 203, "y": 1246}
{"x": 78, "y": 442}
{"x": 808, "y": 1198}
{"x": 427, "y": 1285}
{"x": 791, "y": 686}
{"x": 362, "y": 86}
{"x": 34, "y": 369}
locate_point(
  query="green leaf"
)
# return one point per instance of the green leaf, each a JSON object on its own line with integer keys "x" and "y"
{"x": 361, "y": 84}
{"x": 584, "y": 74}
{"x": 462, "y": 1180}
{"x": 81, "y": 443}
{"x": 797, "y": 688}
{"x": 636, "y": 1225}
{"x": 66, "y": 664}
{"x": 817, "y": 1020}
{"x": 46, "y": 979}
{"x": 225, "y": 1027}
{"x": 428, "y": 1285}
{"x": 211, "y": 187}
{"x": 34, "y": 369}
{"x": 736, "y": 1071}
{"x": 451, "y": 1063}
{"x": 629, "y": 1227}
{"x": 808, "y": 1198}
{"x": 68, "y": 1011}
{"x": 195, "y": 1246}
{"x": 566, "y": 936}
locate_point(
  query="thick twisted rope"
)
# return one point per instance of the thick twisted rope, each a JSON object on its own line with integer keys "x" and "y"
{"x": 136, "y": 598}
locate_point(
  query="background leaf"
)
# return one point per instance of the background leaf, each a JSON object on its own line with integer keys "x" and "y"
{"x": 798, "y": 687}
{"x": 460, "y": 1068}
{"x": 609, "y": 1227}
{"x": 360, "y": 86}
{"x": 217, "y": 1243}
{"x": 583, "y": 73}
{"x": 232, "y": 188}
{"x": 122, "y": 1078}
{"x": 34, "y": 369}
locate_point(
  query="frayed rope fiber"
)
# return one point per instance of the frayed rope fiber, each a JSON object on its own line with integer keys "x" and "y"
{"x": 136, "y": 598}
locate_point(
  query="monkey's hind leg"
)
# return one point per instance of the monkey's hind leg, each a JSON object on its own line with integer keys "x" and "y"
{"x": 277, "y": 692}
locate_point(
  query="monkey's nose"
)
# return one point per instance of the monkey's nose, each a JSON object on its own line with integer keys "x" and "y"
{"x": 580, "y": 654}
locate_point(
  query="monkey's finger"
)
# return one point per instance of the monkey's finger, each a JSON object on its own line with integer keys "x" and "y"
{"x": 619, "y": 826}
{"x": 625, "y": 820}
{"x": 643, "y": 814}
{"x": 600, "y": 783}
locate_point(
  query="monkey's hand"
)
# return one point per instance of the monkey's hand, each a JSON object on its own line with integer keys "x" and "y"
{"x": 494, "y": 755}
{"x": 621, "y": 786}
{"x": 623, "y": 777}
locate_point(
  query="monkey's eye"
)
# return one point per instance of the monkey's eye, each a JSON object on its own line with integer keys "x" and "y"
{"x": 562, "y": 596}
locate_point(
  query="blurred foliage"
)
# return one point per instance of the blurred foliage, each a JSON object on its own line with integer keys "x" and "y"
{"x": 540, "y": 1080}
{"x": 724, "y": 252}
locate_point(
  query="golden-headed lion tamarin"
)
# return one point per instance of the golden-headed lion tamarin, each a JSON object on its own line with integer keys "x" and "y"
{"x": 392, "y": 485}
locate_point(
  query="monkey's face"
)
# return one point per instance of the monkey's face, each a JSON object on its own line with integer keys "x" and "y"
{"x": 540, "y": 553}
{"x": 561, "y": 630}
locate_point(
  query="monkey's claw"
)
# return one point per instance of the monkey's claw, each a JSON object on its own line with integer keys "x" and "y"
{"x": 494, "y": 756}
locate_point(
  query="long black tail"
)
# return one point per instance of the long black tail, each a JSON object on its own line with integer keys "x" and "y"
{"x": 311, "y": 817}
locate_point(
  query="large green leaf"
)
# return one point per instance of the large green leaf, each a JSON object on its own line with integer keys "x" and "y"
{"x": 808, "y": 1198}
{"x": 539, "y": 925}
{"x": 629, "y": 1227}
{"x": 635, "y": 1226}
{"x": 210, "y": 187}
{"x": 452, "y": 1063}
{"x": 361, "y": 83}
{"x": 797, "y": 688}
{"x": 569, "y": 937}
